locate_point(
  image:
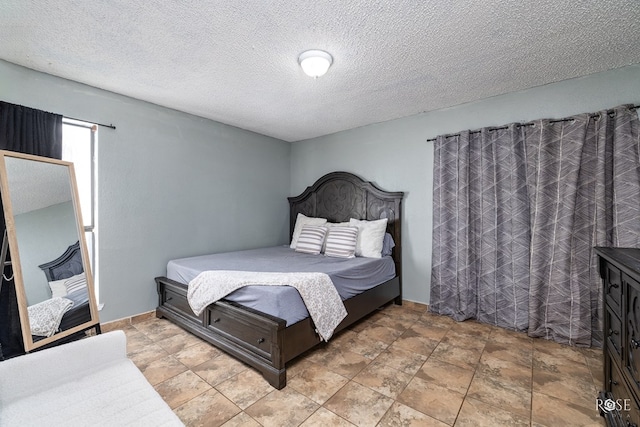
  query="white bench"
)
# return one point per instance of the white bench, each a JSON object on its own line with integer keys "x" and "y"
{"x": 89, "y": 382}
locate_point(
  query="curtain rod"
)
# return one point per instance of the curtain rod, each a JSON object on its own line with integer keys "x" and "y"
{"x": 111, "y": 126}
{"x": 635, "y": 107}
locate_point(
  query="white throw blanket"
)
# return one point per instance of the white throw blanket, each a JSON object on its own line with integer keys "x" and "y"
{"x": 316, "y": 289}
{"x": 45, "y": 316}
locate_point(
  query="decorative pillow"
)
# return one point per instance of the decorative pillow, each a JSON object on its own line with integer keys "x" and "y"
{"x": 301, "y": 221}
{"x": 331, "y": 225}
{"x": 75, "y": 283}
{"x": 387, "y": 245}
{"x": 370, "y": 237}
{"x": 311, "y": 239}
{"x": 58, "y": 289}
{"x": 341, "y": 242}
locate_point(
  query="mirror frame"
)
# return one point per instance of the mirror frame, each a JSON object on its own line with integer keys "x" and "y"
{"x": 5, "y": 193}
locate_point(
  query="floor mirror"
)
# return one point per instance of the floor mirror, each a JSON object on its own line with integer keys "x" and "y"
{"x": 44, "y": 236}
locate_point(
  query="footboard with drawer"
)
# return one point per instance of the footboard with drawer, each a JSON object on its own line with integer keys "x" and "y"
{"x": 253, "y": 337}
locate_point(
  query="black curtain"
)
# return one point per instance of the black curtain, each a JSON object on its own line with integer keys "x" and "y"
{"x": 30, "y": 131}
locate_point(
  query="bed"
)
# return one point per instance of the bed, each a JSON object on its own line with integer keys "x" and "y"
{"x": 267, "y": 342}
{"x": 68, "y": 265}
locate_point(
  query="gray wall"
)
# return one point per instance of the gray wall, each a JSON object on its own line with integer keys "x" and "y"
{"x": 174, "y": 185}
{"x": 170, "y": 184}
{"x": 396, "y": 156}
{"x": 43, "y": 235}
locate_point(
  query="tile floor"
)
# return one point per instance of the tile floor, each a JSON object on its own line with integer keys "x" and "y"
{"x": 401, "y": 366}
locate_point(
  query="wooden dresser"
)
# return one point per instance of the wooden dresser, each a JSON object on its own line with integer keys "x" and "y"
{"x": 619, "y": 402}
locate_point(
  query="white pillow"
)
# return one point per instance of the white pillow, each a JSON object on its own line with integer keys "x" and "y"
{"x": 301, "y": 221}
{"x": 341, "y": 242}
{"x": 370, "y": 237}
{"x": 311, "y": 239}
{"x": 58, "y": 289}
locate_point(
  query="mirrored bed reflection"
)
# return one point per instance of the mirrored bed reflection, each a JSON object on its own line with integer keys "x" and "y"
{"x": 54, "y": 286}
{"x": 66, "y": 280}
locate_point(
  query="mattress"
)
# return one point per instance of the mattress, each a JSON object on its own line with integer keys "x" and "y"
{"x": 350, "y": 276}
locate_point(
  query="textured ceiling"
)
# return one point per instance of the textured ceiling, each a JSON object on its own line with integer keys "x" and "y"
{"x": 36, "y": 185}
{"x": 236, "y": 61}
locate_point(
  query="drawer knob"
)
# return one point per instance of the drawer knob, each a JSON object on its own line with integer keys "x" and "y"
{"x": 260, "y": 340}
{"x": 614, "y": 382}
{"x": 612, "y": 332}
{"x": 216, "y": 320}
{"x": 635, "y": 344}
{"x": 614, "y": 286}
{"x": 169, "y": 299}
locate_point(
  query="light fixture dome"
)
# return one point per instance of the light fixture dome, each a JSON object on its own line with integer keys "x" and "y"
{"x": 315, "y": 63}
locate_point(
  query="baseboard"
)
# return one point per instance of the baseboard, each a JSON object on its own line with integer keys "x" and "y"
{"x": 415, "y": 306}
{"x": 127, "y": 321}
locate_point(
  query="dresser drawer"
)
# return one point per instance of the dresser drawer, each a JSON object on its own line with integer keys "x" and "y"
{"x": 613, "y": 288}
{"x": 620, "y": 402}
{"x": 632, "y": 341}
{"x": 613, "y": 333}
{"x": 616, "y": 383}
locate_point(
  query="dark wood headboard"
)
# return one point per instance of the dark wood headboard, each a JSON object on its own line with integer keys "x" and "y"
{"x": 339, "y": 196}
{"x": 66, "y": 265}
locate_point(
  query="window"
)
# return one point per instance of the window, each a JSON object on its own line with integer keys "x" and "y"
{"x": 79, "y": 140}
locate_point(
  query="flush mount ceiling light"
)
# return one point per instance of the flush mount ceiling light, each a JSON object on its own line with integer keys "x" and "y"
{"x": 315, "y": 63}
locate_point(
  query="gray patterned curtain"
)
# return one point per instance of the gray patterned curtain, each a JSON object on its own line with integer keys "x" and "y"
{"x": 480, "y": 227}
{"x": 517, "y": 212}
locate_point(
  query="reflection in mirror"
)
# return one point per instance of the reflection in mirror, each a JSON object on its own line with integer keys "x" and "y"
{"x": 66, "y": 279}
{"x": 53, "y": 280}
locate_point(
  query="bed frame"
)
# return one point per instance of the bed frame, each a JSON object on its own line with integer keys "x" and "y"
{"x": 263, "y": 341}
{"x": 67, "y": 265}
